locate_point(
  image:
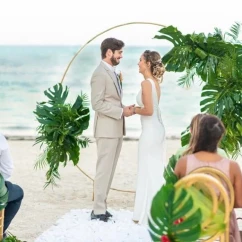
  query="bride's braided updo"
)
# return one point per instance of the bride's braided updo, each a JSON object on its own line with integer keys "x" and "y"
{"x": 156, "y": 66}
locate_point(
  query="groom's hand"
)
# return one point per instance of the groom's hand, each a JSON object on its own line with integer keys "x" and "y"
{"x": 131, "y": 108}
{"x": 128, "y": 111}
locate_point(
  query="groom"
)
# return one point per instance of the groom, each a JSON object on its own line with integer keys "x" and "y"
{"x": 109, "y": 125}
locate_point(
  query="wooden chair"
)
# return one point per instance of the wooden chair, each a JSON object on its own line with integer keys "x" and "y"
{"x": 212, "y": 187}
{"x": 1, "y": 223}
{"x": 221, "y": 177}
{"x": 224, "y": 181}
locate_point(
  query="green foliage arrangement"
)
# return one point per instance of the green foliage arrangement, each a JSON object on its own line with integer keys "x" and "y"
{"x": 60, "y": 130}
{"x": 215, "y": 59}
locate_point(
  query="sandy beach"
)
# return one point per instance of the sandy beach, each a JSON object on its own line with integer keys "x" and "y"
{"x": 42, "y": 207}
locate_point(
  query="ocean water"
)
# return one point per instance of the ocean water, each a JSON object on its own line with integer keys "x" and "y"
{"x": 26, "y": 71}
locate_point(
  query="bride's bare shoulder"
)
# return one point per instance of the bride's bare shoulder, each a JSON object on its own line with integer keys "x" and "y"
{"x": 145, "y": 83}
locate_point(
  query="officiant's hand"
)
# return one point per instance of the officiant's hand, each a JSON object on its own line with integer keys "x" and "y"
{"x": 128, "y": 110}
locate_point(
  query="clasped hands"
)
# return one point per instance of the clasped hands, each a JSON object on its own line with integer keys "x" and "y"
{"x": 128, "y": 110}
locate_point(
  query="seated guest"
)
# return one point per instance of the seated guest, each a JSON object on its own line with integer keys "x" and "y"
{"x": 15, "y": 192}
{"x": 204, "y": 152}
{"x": 185, "y": 150}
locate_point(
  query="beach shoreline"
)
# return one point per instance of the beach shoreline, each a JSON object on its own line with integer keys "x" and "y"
{"x": 126, "y": 138}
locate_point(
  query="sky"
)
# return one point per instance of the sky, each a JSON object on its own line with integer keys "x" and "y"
{"x": 72, "y": 22}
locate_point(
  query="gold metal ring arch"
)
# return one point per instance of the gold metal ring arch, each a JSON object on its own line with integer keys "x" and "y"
{"x": 79, "y": 51}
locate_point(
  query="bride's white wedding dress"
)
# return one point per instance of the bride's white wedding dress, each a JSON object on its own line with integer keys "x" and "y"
{"x": 151, "y": 159}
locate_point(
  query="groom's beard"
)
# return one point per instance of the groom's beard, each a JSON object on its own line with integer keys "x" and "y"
{"x": 114, "y": 61}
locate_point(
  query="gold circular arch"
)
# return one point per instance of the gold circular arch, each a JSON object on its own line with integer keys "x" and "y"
{"x": 89, "y": 41}
{"x": 74, "y": 57}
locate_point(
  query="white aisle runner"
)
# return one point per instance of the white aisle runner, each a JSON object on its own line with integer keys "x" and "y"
{"x": 76, "y": 226}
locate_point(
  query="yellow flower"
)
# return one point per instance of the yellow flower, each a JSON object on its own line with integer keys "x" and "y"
{"x": 120, "y": 76}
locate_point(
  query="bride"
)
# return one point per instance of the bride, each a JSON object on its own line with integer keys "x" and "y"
{"x": 151, "y": 149}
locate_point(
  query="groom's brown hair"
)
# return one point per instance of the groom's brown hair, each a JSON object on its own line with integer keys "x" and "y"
{"x": 112, "y": 44}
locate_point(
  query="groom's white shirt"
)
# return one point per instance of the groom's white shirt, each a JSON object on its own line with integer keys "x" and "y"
{"x": 6, "y": 162}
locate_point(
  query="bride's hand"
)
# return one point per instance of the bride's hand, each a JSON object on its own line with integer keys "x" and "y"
{"x": 135, "y": 109}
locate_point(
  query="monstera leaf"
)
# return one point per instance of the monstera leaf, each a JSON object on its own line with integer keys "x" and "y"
{"x": 179, "y": 214}
{"x": 169, "y": 216}
{"x": 58, "y": 95}
{"x": 225, "y": 102}
{"x": 60, "y": 128}
{"x": 169, "y": 174}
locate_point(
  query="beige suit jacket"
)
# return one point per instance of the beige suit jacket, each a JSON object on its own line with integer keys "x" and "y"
{"x": 107, "y": 103}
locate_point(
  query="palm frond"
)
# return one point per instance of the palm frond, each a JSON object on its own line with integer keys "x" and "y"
{"x": 234, "y": 32}
{"x": 218, "y": 33}
{"x": 52, "y": 175}
{"x": 84, "y": 142}
{"x": 85, "y": 99}
{"x": 41, "y": 162}
{"x": 187, "y": 79}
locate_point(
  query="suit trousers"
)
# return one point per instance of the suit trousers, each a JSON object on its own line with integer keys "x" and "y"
{"x": 108, "y": 151}
{"x": 15, "y": 196}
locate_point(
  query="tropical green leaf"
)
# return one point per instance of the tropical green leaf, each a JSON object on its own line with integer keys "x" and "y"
{"x": 169, "y": 174}
{"x": 185, "y": 137}
{"x": 165, "y": 212}
{"x": 11, "y": 238}
{"x": 41, "y": 161}
{"x": 234, "y": 31}
{"x": 176, "y": 36}
{"x": 179, "y": 212}
{"x": 60, "y": 128}
{"x": 187, "y": 79}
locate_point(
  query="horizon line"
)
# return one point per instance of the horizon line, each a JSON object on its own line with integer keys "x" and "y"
{"x": 78, "y": 45}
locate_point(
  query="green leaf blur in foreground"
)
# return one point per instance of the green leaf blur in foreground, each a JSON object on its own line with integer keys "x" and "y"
{"x": 178, "y": 213}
